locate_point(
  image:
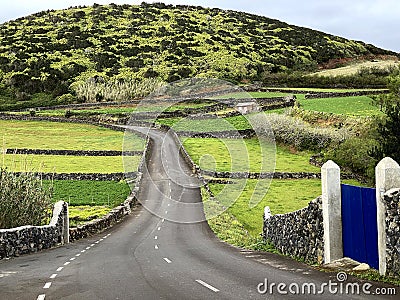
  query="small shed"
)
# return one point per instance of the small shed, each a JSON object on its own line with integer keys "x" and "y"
{"x": 247, "y": 107}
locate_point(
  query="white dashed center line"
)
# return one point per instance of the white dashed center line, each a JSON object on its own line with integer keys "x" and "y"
{"x": 156, "y": 237}
{"x": 167, "y": 260}
{"x": 156, "y": 247}
{"x": 73, "y": 258}
{"x": 67, "y": 263}
{"x": 47, "y": 285}
{"x": 207, "y": 285}
{"x": 159, "y": 228}
{"x": 59, "y": 269}
{"x": 41, "y": 297}
{"x": 53, "y": 276}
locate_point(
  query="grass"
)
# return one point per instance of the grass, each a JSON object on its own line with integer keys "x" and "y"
{"x": 67, "y": 164}
{"x": 51, "y": 135}
{"x": 351, "y": 106}
{"x": 230, "y": 155}
{"x": 128, "y": 109}
{"x": 354, "y": 68}
{"x": 79, "y": 215}
{"x": 92, "y": 193}
{"x": 306, "y": 89}
{"x": 282, "y": 196}
{"x": 244, "y": 95}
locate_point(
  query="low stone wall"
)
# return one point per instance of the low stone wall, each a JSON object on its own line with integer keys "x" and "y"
{"x": 229, "y": 134}
{"x": 313, "y": 95}
{"x": 392, "y": 201}
{"x": 253, "y": 175}
{"x": 30, "y": 239}
{"x": 299, "y": 234}
{"x": 71, "y": 152}
{"x": 88, "y": 176}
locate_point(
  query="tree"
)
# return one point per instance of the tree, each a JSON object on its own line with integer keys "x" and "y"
{"x": 389, "y": 127}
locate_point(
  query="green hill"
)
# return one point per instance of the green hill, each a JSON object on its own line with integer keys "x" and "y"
{"x": 56, "y": 51}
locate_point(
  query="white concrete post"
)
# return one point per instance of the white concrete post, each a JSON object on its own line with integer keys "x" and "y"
{"x": 387, "y": 176}
{"x": 66, "y": 224}
{"x": 332, "y": 211}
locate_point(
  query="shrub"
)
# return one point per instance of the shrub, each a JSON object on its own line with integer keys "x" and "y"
{"x": 295, "y": 132}
{"x": 354, "y": 154}
{"x": 23, "y": 199}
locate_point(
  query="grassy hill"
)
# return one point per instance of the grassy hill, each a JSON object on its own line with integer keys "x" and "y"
{"x": 55, "y": 52}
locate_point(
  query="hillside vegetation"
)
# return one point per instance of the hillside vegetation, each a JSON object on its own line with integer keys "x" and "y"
{"x": 57, "y": 52}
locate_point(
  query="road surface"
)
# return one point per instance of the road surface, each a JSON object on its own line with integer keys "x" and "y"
{"x": 148, "y": 256}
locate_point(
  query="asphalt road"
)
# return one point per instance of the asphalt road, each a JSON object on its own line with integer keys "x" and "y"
{"x": 160, "y": 254}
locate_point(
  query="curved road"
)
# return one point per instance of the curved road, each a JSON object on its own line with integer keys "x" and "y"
{"x": 149, "y": 257}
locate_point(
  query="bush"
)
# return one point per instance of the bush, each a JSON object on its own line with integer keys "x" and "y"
{"x": 354, "y": 154}
{"x": 295, "y": 132}
{"x": 23, "y": 199}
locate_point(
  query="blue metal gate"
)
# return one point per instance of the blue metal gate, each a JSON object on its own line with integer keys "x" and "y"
{"x": 360, "y": 229}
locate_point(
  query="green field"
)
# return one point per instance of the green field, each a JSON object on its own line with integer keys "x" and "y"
{"x": 86, "y": 192}
{"x": 68, "y": 136}
{"x": 282, "y": 196}
{"x": 352, "y": 106}
{"x": 66, "y": 164}
{"x": 243, "y": 95}
{"x": 236, "y": 155}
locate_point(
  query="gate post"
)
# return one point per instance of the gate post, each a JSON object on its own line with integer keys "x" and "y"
{"x": 387, "y": 175}
{"x": 332, "y": 211}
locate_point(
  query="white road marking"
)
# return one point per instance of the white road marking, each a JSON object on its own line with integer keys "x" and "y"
{"x": 101, "y": 240}
{"x": 67, "y": 263}
{"x": 97, "y": 242}
{"x": 163, "y": 220}
{"x": 47, "y": 285}
{"x": 87, "y": 248}
{"x": 92, "y": 245}
{"x": 59, "y": 269}
{"x": 156, "y": 247}
{"x": 77, "y": 255}
{"x": 41, "y": 297}
{"x": 83, "y": 251}
{"x": 167, "y": 260}
{"x": 159, "y": 228}
{"x": 53, "y": 276}
{"x": 156, "y": 237}
{"x": 166, "y": 212}
{"x": 207, "y": 285}
{"x": 169, "y": 204}
{"x": 73, "y": 258}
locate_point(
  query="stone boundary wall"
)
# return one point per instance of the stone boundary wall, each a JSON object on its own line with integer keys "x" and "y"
{"x": 325, "y": 94}
{"x": 72, "y": 152}
{"x": 343, "y": 94}
{"x": 119, "y": 212}
{"x": 299, "y": 234}
{"x": 392, "y": 202}
{"x": 29, "y": 239}
{"x": 229, "y": 134}
{"x": 86, "y": 176}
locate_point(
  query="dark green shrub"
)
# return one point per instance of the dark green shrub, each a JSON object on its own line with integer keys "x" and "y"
{"x": 23, "y": 199}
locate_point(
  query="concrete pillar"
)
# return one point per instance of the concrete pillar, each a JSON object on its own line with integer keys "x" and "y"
{"x": 332, "y": 211}
{"x": 387, "y": 176}
{"x": 66, "y": 224}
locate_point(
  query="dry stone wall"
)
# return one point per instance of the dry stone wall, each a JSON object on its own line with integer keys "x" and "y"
{"x": 29, "y": 239}
{"x": 392, "y": 202}
{"x": 299, "y": 234}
